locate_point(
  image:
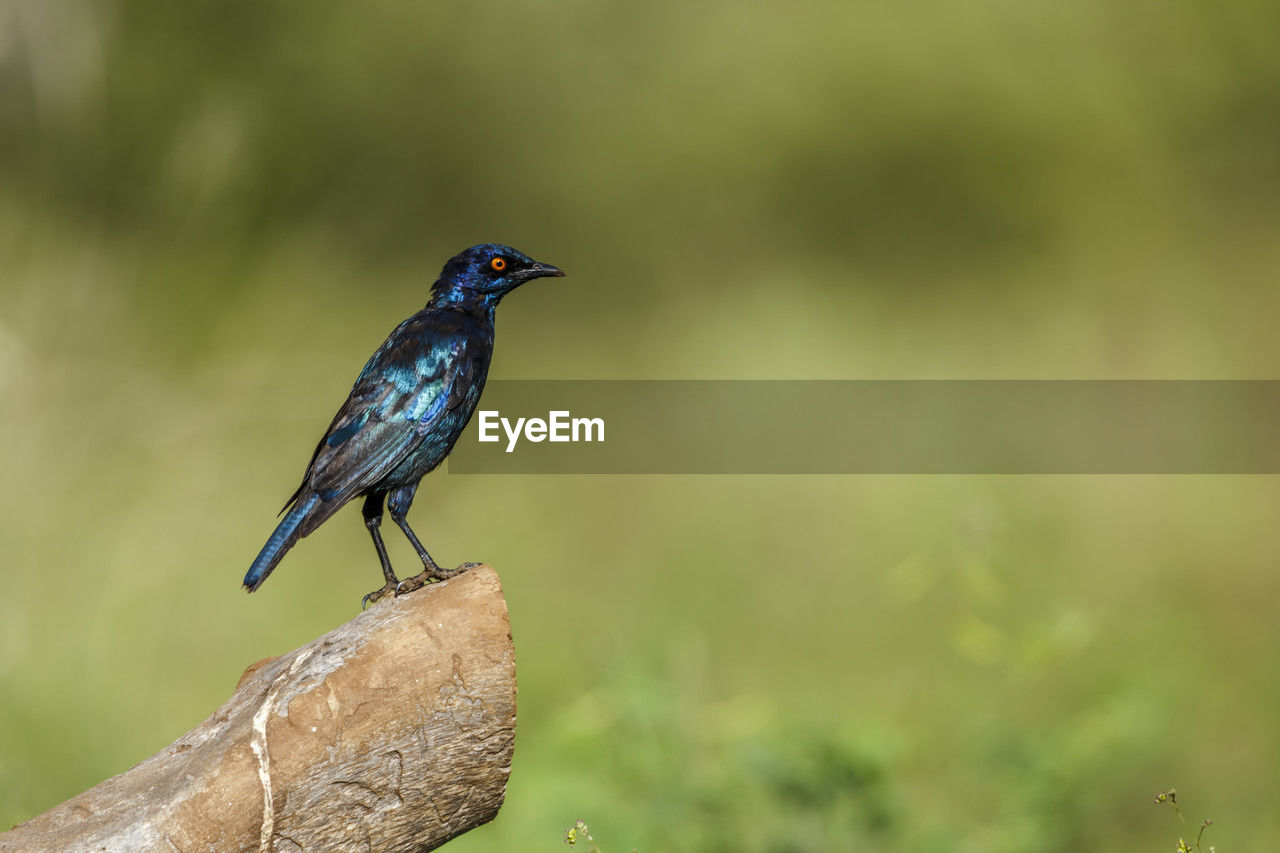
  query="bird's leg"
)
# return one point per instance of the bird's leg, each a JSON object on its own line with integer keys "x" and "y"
{"x": 398, "y": 504}
{"x": 373, "y": 519}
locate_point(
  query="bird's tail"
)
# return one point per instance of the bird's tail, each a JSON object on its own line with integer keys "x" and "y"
{"x": 286, "y": 534}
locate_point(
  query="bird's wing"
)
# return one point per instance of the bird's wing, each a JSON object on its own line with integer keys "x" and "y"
{"x": 403, "y": 389}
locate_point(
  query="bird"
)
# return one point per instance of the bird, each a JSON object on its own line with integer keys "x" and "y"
{"x": 405, "y": 412}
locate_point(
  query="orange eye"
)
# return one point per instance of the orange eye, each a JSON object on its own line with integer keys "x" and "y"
{"x": 498, "y": 264}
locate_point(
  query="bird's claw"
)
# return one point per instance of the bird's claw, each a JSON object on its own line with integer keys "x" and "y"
{"x": 389, "y": 589}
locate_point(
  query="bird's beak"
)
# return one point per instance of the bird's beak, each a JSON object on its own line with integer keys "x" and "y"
{"x": 540, "y": 271}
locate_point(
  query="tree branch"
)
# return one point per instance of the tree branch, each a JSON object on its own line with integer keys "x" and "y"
{"x": 392, "y": 732}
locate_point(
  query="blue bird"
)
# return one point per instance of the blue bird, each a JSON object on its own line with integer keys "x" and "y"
{"x": 405, "y": 411}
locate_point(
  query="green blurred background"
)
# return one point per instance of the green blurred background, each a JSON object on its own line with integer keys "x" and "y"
{"x": 211, "y": 213}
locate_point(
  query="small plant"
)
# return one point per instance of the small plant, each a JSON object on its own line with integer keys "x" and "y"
{"x": 580, "y": 834}
{"x": 1171, "y": 797}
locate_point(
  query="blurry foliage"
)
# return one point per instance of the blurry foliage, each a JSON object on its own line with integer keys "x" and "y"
{"x": 725, "y": 776}
{"x": 887, "y": 137}
{"x": 210, "y": 214}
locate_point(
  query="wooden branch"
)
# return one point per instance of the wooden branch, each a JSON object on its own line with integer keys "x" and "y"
{"x": 392, "y": 732}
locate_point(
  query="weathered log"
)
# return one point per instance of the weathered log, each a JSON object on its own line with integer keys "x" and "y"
{"x": 392, "y": 732}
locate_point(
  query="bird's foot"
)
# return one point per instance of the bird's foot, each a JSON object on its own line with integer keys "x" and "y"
{"x": 430, "y": 575}
{"x": 410, "y": 584}
{"x": 435, "y": 573}
{"x": 391, "y": 588}
{"x": 438, "y": 574}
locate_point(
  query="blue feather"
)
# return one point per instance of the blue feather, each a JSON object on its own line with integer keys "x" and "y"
{"x": 282, "y": 540}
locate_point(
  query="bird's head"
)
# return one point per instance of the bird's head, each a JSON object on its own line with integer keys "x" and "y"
{"x": 487, "y": 272}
